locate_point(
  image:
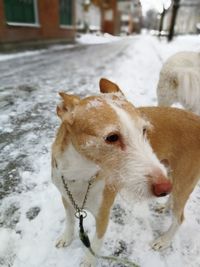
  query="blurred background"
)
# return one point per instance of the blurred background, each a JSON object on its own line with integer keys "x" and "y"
{"x": 40, "y": 22}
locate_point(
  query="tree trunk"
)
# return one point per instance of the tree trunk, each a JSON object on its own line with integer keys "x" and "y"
{"x": 161, "y": 22}
{"x": 176, "y": 5}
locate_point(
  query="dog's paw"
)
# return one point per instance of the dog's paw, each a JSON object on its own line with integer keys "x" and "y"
{"x": 161, "y": 208}
{"x": 160, "y": 243}
{"x": 64, "y": 241}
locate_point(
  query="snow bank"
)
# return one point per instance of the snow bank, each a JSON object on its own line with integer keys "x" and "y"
{"x": 4, "y": 57}
{"x": 96, "y": 38}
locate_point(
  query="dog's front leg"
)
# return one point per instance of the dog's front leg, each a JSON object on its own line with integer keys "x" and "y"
{"x": 67, "y": 237}
{"x": 102, "y": 219}
{"x": 164, "y": 241}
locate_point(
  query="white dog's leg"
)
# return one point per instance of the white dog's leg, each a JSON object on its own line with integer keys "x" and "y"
{"x": 164, "y": 241}
{"x": 67, "y": 237}
{"x": 90, "y": 260}
{"x": 101, "y": 226}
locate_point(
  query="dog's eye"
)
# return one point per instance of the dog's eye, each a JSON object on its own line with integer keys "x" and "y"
{"x": 112, "y": 138}
{"x": 144, "y": 131}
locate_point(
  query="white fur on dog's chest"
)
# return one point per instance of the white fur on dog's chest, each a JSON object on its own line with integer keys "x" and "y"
{"x": 77, "y": 172}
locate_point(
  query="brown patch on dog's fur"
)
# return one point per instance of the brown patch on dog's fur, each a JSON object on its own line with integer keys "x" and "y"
{"x": 62, "y": 139}
{"x": 176, "y": 137}
{"x": 102, "y": 219}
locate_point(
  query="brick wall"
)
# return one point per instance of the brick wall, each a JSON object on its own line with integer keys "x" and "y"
{"x": 49, "y": 28}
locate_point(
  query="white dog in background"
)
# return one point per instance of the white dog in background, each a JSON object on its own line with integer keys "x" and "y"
{"x": 180, "y": 81}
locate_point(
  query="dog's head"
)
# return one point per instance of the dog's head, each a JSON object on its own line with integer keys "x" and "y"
{"x": 109, "y": 131}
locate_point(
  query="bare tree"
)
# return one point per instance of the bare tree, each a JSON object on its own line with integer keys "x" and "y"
{"x": 161, "y": 21}
{"x": 175, "y": 8}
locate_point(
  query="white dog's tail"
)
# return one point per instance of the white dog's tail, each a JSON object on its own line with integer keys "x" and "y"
{"x": 188, "y": 88}
{"x": 180, "y": 81}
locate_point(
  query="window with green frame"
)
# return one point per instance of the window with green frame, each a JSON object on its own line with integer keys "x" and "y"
{"x": 20, "y": 11}
{"x": 66, "y": 12}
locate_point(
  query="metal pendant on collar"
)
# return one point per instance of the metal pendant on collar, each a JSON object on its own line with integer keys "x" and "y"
{"x": 79, "y": 211}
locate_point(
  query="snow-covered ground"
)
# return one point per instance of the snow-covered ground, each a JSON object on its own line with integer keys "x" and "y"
{"x": 14, "y": 55}
{"x": 96, "y": 38}
{"x": 31, "y": 213}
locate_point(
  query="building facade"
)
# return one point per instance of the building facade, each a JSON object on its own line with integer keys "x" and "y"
{"x": 120, "y": 16}
{"x": 88, "y": 18}
{"x": 36, "y": 22}
{"x": 188, "y": 17}
{"x": 130, "y": 16}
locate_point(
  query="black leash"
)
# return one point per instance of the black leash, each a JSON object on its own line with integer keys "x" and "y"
{"x": 86, "y": 242}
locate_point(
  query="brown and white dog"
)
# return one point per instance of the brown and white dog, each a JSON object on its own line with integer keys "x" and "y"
{"x": 107, "y": 136}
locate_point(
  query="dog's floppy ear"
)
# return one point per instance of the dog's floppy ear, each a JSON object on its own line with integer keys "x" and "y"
{"x": 64, "y": 110}
{"x": 107, "y": 86}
